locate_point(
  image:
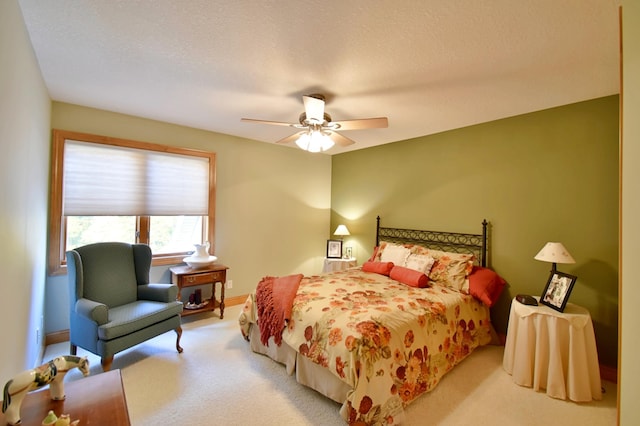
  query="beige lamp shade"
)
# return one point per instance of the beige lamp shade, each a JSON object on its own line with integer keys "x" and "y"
{"x": 341, "y": 230}
{"x": 555, "y": 253}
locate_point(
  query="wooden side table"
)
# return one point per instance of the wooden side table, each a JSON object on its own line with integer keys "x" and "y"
{"x": 556, "y": 351}
{"x": 94, "y": 400}
{"x": 186, "y": 276}
{"x": 332, "y": 265}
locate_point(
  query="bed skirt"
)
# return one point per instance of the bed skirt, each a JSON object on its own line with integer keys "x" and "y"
{"x": 307, "y": 373}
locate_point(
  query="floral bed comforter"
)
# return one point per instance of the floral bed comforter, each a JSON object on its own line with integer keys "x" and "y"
{"x": 389, "y": 342}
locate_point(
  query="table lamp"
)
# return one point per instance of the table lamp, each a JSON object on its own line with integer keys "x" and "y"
{"x": 554, "y": 253}
{"x": 341, "y": 231}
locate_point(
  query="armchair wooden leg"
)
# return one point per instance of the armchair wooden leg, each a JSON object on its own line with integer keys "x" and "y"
{"x": 179, "y": 333}
{"x": 106, "y": 363}
{"x": 73, "y": 349}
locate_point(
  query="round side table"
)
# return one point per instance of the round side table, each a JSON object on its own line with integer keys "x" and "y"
{"x": 556, "y": 351}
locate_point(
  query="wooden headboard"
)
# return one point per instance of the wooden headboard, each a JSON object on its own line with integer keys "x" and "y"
{"x": 455, "y": 242}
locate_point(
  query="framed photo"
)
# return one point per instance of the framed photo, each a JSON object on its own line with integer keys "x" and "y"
{"x": 557, "y": 291}
{"x": 348, "y": 252}
{"x": 334, "y": 249}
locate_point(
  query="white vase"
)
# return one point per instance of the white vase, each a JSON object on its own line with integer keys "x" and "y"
{"x": 202, "y": 251}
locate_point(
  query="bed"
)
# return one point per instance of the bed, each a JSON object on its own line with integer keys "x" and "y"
{"x": 377, "y": 336}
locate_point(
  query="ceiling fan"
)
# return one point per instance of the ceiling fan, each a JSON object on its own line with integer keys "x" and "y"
{"x": 317, "y": 131}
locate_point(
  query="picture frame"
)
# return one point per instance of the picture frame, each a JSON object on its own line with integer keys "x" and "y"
{"x": 556, "y": 292}
{"x": 348, "y": 252}
{"x": 334, "y": 249}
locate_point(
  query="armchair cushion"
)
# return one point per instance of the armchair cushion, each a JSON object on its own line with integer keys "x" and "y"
{"x": 134, "y": 316}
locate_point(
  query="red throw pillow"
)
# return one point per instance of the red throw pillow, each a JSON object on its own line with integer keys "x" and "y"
{"x": 383, "y": 268}
{"x": 410, "y": 277}
{"x": 486, "y": 285}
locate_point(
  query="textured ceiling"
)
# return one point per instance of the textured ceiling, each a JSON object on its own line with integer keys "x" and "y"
{"x": 427, "y": 65}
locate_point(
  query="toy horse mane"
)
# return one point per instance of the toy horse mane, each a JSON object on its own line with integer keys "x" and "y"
{"x": 65, "y": 363}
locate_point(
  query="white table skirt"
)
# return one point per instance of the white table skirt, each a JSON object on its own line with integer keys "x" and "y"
{"x": 332, "y": 265}
{"x": 556, "y": 351}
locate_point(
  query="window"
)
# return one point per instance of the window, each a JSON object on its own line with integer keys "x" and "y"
{"x": 108, "y": 189}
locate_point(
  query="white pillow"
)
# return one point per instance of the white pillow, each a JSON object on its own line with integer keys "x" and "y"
{"x": 395, "y": 253}
{"x": 420, "y": 263}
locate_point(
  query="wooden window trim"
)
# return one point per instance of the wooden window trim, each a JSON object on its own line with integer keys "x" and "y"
{"x": 56, "y": 256}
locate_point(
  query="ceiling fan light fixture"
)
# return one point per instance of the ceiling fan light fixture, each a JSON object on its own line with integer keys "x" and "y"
{"x": 303, "y": 141}
{"x": 325, "y": 142}
{"x": 314, "y": 141}
{"x": 318, "y": 130}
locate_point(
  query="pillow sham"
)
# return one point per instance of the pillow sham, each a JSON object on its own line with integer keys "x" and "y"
{"x": 383, "y": 268}
{"x": 378, "y": 250}
{"x": 486, "y": 285}
{"x": 419, "y": 262}
{"x": 410, "y": 277}
{"x": 451, "y": 269}
{"x": 394, "y": 253}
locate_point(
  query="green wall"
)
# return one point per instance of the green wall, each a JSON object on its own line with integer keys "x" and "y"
{"x": 546, "y": 176}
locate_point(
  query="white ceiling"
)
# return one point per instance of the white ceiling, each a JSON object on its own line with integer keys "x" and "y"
{"x": 427, "y": 65}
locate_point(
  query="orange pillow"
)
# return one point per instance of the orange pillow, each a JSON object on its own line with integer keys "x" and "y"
{"x": 485, "y": 285}
{"x": 383, "y": 268}
{"x": 410, "y": 277}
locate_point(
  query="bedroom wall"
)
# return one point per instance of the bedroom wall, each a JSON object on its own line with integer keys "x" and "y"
{"x": 546, "y": 176}
{"x": 24, "y": 131}
{"x": 629, "y": 371}
{"x": 272, "y": 202}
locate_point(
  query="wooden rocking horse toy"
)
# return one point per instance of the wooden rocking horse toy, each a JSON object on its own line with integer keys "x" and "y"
{"x": 52, "y": 373}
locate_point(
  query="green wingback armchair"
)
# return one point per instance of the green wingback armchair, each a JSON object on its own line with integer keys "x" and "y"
{"x": 112, "y": 304}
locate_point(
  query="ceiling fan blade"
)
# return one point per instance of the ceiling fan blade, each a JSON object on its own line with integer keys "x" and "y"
{"x": 291, "y": 138}
{"x": 277, "y": 123}
{"x": 340, "y": 140}
{"x": 363, "y": 123}
{"x": 314, "y": 108}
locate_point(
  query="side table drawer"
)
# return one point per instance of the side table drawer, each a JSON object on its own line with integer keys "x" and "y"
{"x": 207, "y": 278}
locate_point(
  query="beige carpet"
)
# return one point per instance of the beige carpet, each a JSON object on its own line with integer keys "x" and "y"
{"x": 218, "y": 380}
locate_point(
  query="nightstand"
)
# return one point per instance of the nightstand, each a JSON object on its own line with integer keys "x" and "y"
{"x": 185, "y": 276}
{"x": 332, "y": 265}
{"x": 556, "y": 351}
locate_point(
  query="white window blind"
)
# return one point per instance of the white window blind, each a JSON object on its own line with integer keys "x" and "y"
{"x": 108, "y": 180}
